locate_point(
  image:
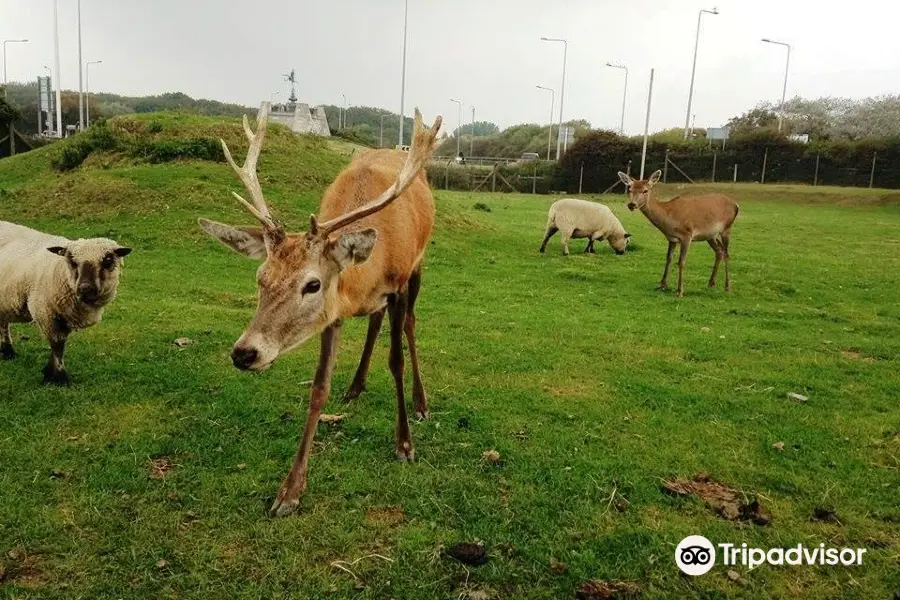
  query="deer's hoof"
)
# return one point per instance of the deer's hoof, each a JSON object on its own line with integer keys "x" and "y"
{"x": 354, "y": 392}
{"x": 663, "y": 287}
{"x": 405, "y": 452}
{"x": 54, "y": 377}
{"x": 284, "y": 507}
{"x": 422, "y": 414}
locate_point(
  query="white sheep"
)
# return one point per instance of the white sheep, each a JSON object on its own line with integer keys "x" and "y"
{"x": 60, "y": 284}
{"x": 576, "y": 218}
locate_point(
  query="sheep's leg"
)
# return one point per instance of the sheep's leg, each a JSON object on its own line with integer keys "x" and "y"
{"x": 724, "y": 240}
{"x": 682, "y": 259}
{"x": 589, "y": 249}
{"x": 359, "y": 380}
{"x": 717, "y": 248}
{"x": 566, "y": 236}
{"x": 549, "y": 234}
{"x": 6, "y": 349}
{"x": 664, "y": 284}
{"x": 55, "y": 371}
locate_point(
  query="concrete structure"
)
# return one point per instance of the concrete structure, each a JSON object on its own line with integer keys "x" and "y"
{"x": 300, "y": 119}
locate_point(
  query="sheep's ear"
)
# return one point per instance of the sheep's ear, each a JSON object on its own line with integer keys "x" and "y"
{"x": 122, "y": 252}
{"x": 627, "y": 235}
{"x": 60, "y": 250}
{"x": 626, "y": 179}
{"x": 654, "y": 179}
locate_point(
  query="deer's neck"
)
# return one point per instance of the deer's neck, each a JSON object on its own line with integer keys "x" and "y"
{"x": 657, "y": 214}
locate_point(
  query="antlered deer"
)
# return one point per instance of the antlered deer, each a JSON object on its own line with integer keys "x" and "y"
{"x": 685, "y": 219}
{"x": 360, "y": 257}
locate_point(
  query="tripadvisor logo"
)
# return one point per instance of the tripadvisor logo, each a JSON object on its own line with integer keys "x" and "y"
{"x": 696, "y": 555}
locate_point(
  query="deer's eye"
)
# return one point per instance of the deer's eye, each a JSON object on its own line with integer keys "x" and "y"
{"x": 312, "y": 287}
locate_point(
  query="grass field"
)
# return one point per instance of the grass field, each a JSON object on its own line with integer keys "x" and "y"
{"x": 151, "y": 476}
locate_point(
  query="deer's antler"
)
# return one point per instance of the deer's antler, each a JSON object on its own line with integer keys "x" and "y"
{"x": 419, "y": 153}
{"x": 249, "y": 177}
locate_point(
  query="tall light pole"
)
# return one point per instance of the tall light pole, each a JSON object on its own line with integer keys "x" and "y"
{"x": 403, "y": 69}
{"x": 49, "y": 122}
{"x": 787, "y": 66}
{"x": 562, "y": 92}
{"x": 272, "y": 99}
{"x": 552, "y": 99}
{"x": 343, "y": 114}
{"x": 458, "y": 123}
{"x": 87, "y": 90}
{"x": 5, "y": 78}
{"x": 472, "y": 139}
{"x": 80, "y": 73}
{"x": 59, "y": 129}
{"x": 624, "y": 96}
{"x": 687, "y": 117}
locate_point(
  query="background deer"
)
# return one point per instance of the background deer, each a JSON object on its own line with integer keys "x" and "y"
{"x": 685, "y": 219}
{"x": 359, "y": 257}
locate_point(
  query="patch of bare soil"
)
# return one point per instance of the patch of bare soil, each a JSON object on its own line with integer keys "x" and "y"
{"x": 385, "y": 515}
{"x": 727, "y": 502}
{"x": 22, "y": 569}
{"x": 607, "y": 590}
{"x": 160, "y": 467}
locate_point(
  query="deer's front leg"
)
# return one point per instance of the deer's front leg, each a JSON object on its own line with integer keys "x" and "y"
{"x": 288, "y": 499}
{"x": 664, "y": 284}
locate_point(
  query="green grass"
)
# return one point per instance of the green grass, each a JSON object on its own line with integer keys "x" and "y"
{"x": 587, "y": 381}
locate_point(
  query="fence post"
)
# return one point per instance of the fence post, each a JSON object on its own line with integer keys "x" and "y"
{"x": 534, "y": 180}
{"x": 765, "y": 160}
{"x": 494, "y": 179}
{"x": 447, "y": 177}
{"x": 735, "y": 172}
{"x": 715, "y": 155}
{"x": 580, "y": 178}
{"x": 872, "y": 174}
{"x": 816, "y": 176}
{"x": 666, "y": 167}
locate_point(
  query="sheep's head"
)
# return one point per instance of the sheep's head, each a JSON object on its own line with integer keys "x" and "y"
{"x": 93, "y": 268}
{"x": 619, "y": 241}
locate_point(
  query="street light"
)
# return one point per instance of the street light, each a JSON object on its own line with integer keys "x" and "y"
{"x": 472, "y": 139}
{"x": 87, "y": 89}
{"x": 403, "y": 70}
{"x": 787, "y": 65}
{"x": 272, "y": 99}
{"x": 624, "y": 96}
{"x": 80, "y": 73}
{"x": 552, "y": 99}
{"x": 5, "y": 42}
{"x": 50, "y": 107}
{"x": 343, "y": 113}
{"x": 458, "y": 124}
{"x": 562, "y": 91}
{"x": 687, "y": 117}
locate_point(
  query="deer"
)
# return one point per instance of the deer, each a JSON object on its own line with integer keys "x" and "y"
{"x": 686, "y": 219}
{"x": 362, "y": 256}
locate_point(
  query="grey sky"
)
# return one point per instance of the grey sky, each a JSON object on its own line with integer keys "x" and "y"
{"x": 485, "y": 52}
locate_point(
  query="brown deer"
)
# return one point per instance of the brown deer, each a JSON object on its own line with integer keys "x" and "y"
{"x": 361, "y": 256}
{"x": 685, "y": 219}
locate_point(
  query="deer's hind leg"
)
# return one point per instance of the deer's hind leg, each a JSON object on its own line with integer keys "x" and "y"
{"x": 726, "y": 235}
{"x": 362, "y": 372}
{"x": 397, "y": 308}
{"x": 716, "y": 245}
{"x": 420, "y": 399}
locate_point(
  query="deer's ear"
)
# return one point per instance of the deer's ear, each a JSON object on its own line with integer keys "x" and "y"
{"x": 626, "y": 179}
{"x": 654, "y": 179}
{"x": 248, "y": 241}
{"x": 353, "y": 248}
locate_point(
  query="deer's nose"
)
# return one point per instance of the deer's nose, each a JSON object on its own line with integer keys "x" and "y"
{"x": 243, "y": 358}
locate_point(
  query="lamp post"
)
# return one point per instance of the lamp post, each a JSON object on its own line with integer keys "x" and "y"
{"x": 5, "y": 78}
{"x": 403, "y": 69}
{"x": 624, "y": 96}
{"x": 458, "y": 123}
{"x": 687, "y": 117}
{"x": 472, "y": 139}
{"x": 343, "y": 113}
{"x": 552, "y": 99}
{"x": 562, "y": 92}
{"x": 787, "y": 66}
{"x": 49, "y": 122}
{"x": 59, "y": 128}
{"x": 87, "y": 90}
{"x": 80, "y": 73}
{"x": 272, "y": 98}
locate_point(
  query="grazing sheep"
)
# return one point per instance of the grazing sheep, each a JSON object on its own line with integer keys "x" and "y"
{"x": 60, "y": 284}
{"x": 575, "y": 218}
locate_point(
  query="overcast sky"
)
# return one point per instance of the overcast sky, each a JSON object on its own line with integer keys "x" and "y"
{"x": 485, "y": 52}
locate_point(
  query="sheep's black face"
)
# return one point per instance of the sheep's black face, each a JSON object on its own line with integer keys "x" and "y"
{"x": 93, "y": 268}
